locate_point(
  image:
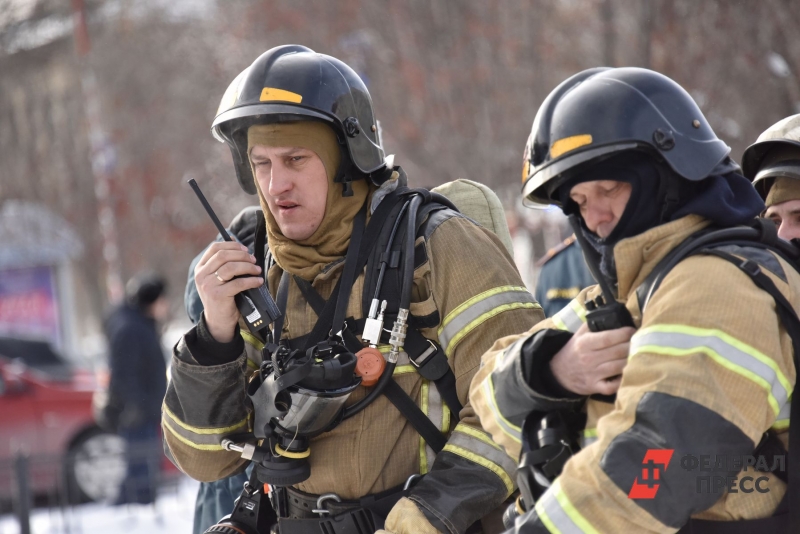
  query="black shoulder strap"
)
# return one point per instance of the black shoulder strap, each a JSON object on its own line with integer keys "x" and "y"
{"x": 424, "y": 427}
{"x": 761, "y": 233}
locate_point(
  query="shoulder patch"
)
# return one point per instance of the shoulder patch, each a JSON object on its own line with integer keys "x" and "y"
{"x": 553, "y": 252}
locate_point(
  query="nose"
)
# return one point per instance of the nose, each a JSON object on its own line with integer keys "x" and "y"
{"x": 789, "y": 229}
{"x": 594, "y": 215}
{"x": 279, "y": 181}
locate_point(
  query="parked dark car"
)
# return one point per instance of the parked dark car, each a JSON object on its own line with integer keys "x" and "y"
{"x": 46, "y": 414}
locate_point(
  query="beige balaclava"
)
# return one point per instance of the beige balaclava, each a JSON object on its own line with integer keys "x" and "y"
{"x": 783, "y": 189}
{"x": 329, "y": 242}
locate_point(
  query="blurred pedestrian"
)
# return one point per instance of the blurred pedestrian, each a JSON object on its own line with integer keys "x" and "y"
{"x": 138, "y": 380}
{"x": 563, "y": 275}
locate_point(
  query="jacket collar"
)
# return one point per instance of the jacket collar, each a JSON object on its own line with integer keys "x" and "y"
{"x": 637, "y": 256}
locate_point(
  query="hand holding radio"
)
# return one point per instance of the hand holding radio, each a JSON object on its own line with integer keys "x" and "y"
{"x": 592, "y": 362}
{"x": 225, "y": 270}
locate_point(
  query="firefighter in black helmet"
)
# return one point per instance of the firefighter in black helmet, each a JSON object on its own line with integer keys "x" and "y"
{"x": 304, "y": 138}
{"x": 293, "y": 83}
{"x": 706, "y": 370}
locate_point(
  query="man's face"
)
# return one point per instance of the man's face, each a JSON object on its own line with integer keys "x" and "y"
{"x": 786, "y": 216}
{"x": 602, "y": 203}
{"x": 295, "y": 185}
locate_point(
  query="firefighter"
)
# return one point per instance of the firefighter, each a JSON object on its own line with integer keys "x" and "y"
{"x": 303, "y": 137}
{"x": 707, "y": 369}
{"x": 562, "y": 276}
{"x": 773, "y": 164}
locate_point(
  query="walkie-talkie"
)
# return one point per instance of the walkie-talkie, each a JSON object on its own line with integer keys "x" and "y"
{"x": 256, "y": 305}
{"x": 604, "y": 312}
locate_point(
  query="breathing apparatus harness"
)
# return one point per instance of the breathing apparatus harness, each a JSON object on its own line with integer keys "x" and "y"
{"x": 550, "y": 439}
{"x": 302, "y": 385}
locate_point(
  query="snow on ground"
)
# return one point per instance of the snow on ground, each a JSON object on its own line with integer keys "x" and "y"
{"x": 172, "y": 514}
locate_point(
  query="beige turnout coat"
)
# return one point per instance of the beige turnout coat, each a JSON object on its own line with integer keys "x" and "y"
{"x": 710, "y": 370}
{"x": 470, "y": 284}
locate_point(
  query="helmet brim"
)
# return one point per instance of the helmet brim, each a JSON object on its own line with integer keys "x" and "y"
{"x": 540, "y": 186}
{"x": 265, "y": 113}
{"x": 782, "y": 169}
{"x": 754, "y": 155}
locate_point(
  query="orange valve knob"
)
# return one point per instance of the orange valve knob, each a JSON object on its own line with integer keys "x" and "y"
{"x": 370, "y": 365}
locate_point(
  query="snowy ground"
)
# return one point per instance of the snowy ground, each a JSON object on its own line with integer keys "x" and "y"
{"x": 172, "y": 514}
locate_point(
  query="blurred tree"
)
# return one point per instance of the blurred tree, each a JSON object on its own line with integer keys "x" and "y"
{"x": 456, "y": 85}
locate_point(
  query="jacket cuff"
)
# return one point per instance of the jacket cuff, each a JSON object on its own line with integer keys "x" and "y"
{"x": 537, "y": 353}
{"x": 208, "y": 351}
{"x": 457, "y": 492}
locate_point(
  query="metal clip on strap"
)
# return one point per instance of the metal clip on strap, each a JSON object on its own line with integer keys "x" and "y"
{"x": 432, "y": 363}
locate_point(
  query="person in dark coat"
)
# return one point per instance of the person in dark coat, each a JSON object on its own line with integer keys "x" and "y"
{"x": 138, "y": 381}
{"x": 564, "y": 274}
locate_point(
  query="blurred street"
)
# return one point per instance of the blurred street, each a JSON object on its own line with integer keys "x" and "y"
{"x": 171, "y": 513}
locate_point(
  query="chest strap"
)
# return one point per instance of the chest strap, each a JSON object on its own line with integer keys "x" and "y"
{"x": 396, "y": 395}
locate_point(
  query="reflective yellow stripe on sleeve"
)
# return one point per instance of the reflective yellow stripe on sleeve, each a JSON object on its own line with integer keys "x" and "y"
{"x": 204, "y": 439}
{"x": 587, "y": 437}
{"x": 475, "y": 311}
{"x": 571, "y": 317}
{"x": 559, "y": 515}
{"x": 724, "y": 349}
{"x": 475, "y": 445}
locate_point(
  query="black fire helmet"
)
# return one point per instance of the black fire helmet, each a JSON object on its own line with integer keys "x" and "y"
{"x": 603, "y": 111}
{"x": 291, "y": 83}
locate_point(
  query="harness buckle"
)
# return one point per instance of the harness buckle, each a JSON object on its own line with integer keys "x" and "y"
{"x": 750, "y": 267}
{"x": 410, "y": 481}
{"x": 420, "y": 360}
{"x": 321, "y": 500}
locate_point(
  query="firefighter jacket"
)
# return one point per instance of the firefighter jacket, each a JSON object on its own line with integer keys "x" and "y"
{"x": 469, "y": 293}
{"x": 710, "y": 371}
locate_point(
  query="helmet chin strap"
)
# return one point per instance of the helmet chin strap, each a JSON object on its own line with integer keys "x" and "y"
{"x": 669, "y": 193}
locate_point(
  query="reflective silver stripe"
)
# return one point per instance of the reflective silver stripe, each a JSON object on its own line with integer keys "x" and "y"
{"x": 436, "y": 415}
{"x": 786, "y": 411}
{"x": 483, "y": 447}
{"x": 495, "y": 299}
{"x": 782, "y": 421}
{"x": 571, "y": 317}
{"x": 508, "y": 355}
{"x": 680, "y": 340}
{"x": 512, "y": 431}
{"x": 558, "y": 518}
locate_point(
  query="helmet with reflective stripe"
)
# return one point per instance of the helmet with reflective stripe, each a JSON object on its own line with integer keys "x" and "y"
{"x": 291, "y": 83}
{"x": 603, "y": 111}
{"x": 775, "y": 153}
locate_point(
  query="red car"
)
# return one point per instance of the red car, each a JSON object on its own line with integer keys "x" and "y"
{"x": 46, "y": 414}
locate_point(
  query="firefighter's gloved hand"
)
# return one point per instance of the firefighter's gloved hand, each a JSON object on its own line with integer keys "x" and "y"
{"x": 406, "y": 518}
{"x": 592, "y": 362}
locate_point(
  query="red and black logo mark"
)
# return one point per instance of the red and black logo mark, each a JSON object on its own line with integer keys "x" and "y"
{"x": 655, "y": 461}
